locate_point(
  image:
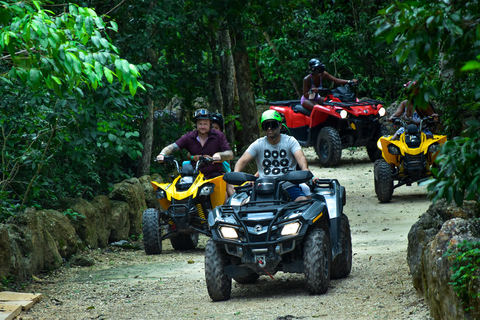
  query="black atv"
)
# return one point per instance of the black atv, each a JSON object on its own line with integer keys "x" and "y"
{"x": 260, "y": 232}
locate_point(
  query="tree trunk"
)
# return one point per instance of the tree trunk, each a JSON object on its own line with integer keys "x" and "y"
{"x": 147, "y": 139}
{"x": 215, "y": 80}
{"x": 246, "y": 98}
{"x": 147, "y": 123}
{"x": 228, "y": 86}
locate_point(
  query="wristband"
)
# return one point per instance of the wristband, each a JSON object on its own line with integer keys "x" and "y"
{"x": 191, "y": 157}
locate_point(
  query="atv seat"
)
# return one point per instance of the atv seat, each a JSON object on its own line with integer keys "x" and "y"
{"x": 287, "y": 103}
{"x": 299, "y": 109}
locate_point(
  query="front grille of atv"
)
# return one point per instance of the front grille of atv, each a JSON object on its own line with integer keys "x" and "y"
{"x": 258, "y": 238}
{"x": 180, "y": 207}
{"x": 415, "y": 163}
{"x": 253, "y": 223}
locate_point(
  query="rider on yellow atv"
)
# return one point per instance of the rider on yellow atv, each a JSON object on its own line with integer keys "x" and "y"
{"x": 203, "y": 142}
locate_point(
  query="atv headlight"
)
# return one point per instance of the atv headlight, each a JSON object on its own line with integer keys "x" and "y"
{"x": 161, "y": 194}
{"x": 290, "y": 229}
{"x": 382, "y": 112}
{"x": 343, "y": 114}
{"x": 207, "y": 190}
{"x": 434, "y": 148}
{"x": 393, "y": 149}
{"x": 228, "y": 233}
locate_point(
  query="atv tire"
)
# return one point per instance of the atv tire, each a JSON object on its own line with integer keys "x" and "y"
{"x": 329, "y": 147}
{"x": 185, "y": 241}
{"x": 342, "y": 264}
{"x": 250, "y": 278}
{"x": 373, "y": 152}
{"x": 219, "y": 285}
{"x": 383, "y": 181}
{"x": 152, "y": 232}
{"x": 317, "y": 261}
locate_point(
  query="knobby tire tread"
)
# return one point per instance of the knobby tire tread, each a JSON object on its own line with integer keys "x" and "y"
{"x": 316, "y": 256}
{"x": 334, "y": 143}
{"x": 383, "y": 181}
{"x": 152, "y": 236}
{"x": 219, "y": 285}
{"x": 342, "y": 264}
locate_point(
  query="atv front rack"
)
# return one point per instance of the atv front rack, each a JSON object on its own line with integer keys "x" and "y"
{"x": 292, "y": 103}
{"x": 363, "y": 103}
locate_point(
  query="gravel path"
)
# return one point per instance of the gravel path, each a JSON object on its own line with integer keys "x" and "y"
{"x": 127, "y": 284}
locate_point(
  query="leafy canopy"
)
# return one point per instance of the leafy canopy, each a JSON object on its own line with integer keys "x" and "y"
{"x": 60, "y": 52}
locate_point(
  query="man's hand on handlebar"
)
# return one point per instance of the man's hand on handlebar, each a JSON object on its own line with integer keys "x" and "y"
{"x": 160, "y": 157}
{"x": 216, "y": 157}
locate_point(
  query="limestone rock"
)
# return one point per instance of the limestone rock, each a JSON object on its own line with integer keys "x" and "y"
{"x": 62, "y": 231}
{"x": 131, "y": 192}
{"x": 82, "y": 261}
{"x": 85, "y": 227}
{"x": 120, "y": 221}
{"x": 441, "y": 228}
{"x": 37, "y": 240}
{"x": 103, "y": 219}
{"x": 442, "y": 300}
{"x": 150, "y": 197}
{"x": 5, "y": 251}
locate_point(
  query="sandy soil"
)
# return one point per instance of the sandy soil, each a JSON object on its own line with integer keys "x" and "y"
{"x": 127, "y": 284}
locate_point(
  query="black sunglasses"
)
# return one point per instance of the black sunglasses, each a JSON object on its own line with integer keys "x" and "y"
{"x": 270, "y": 124}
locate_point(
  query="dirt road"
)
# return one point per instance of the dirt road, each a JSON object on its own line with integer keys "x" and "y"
{"x": 128, "y": 284}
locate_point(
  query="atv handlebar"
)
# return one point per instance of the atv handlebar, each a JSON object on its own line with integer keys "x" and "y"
{"x": 200, "y": 160}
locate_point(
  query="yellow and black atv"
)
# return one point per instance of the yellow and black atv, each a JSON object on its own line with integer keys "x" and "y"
{"x": 406, "y": 160}
{"x": 186, "y": 203}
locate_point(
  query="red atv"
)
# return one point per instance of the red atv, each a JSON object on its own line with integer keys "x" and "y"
{"x": 341, "y": 122}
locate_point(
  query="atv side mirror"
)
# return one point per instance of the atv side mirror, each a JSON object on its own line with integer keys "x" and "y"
{"x": 238, "y": 178}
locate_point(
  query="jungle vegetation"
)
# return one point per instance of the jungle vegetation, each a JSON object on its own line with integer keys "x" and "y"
{"x": 87, "y": 89}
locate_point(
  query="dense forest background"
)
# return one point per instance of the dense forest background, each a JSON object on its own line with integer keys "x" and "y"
{"x": 89, "y": 91}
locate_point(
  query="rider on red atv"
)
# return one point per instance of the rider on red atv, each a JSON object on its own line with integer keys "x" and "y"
{"x": 338, "y": 121}
{"x": 314, "y": 81}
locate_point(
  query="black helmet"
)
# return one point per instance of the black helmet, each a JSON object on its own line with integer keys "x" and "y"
{"x": 202, "y": 114}
{"x": 314, "y": 64}
{"x": 218, "y": 118}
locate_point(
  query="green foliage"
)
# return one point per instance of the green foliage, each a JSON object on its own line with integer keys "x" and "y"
{"x": 423, "y": 34}
{"x": 465, "y": 266}
{"x": 67, "y": 124}
{"x": 72, "y": 215}
{"x": 60, "y": 52}
{"x": 459, "y": 175}
{"x": 337, "y": 33}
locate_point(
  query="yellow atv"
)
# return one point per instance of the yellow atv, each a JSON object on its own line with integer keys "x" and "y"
{"x": 186, "y": 203}
{"x": 406, "y": 160}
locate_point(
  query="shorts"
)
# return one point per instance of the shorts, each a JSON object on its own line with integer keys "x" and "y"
{"x": 317, "y": 97}
{"x": 305, "y": 189}
{"x": 295, "y": 191}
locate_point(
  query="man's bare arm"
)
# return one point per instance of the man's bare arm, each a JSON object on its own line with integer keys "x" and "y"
{"x": 242, "y": 162}
{"x": 170, "y": 149}
{"x": 167, "y": 150}
{"x": 224, "y": 155}
{"x": 301, "y": 160}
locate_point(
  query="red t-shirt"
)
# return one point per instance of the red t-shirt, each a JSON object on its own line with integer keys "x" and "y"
{"x": 216, "y": 142}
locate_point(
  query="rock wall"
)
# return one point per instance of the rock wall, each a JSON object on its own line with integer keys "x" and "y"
{"x": 33, "y": 241}
{"x": 441, "y": 228}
